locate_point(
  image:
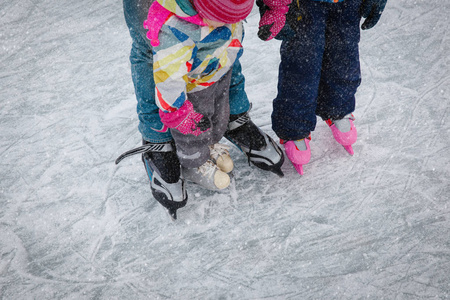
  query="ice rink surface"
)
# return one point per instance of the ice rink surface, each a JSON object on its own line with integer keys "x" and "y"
{"x": 73, "y": 225}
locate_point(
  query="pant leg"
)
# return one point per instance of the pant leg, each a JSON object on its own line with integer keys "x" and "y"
{"x": 238, "y": 97}
{"x": 221, "y": 113}
{"x": 141, "y": 58}
{"x": 294, "y": 108}
{"x": 341, "y": 74}
{"x": 212, "y": 103}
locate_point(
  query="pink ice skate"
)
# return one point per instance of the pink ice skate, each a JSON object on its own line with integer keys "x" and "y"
{"x": 344, "y": 131}
{"x": 298, "y": 152}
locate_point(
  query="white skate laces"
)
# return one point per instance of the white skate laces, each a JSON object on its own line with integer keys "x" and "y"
{"x": 208, "y": 169}
{"x": 220, "y": 155}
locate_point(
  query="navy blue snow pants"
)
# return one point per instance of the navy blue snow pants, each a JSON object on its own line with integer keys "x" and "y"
{"x": 319, "y": 71}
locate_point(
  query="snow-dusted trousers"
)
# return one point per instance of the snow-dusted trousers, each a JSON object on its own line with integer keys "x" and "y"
{"x": 319, "y": 71}
{"x": 212, "y": 103}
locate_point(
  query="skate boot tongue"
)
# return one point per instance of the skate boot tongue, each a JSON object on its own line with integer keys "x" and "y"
{"x": 301, "y": 145}
{"x": 343, "y": 125}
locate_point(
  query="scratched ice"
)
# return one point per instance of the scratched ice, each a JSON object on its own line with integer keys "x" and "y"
{"x": 75, "y": 226}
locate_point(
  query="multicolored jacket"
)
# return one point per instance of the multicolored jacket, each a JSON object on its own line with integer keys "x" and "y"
{"x": 188, "y": 55}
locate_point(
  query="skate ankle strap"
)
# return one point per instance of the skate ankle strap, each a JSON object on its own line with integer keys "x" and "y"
{"x": 166, "y": 147}
{"x": 239, "y": 121}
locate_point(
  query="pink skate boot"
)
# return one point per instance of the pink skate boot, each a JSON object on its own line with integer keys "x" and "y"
{"x": 298, "y": 152}
{"x": 344, "y": 131}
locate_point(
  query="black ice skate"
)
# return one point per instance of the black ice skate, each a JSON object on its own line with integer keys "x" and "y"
{"x": 260, "y": 148}
{"x": 163, "y": 170}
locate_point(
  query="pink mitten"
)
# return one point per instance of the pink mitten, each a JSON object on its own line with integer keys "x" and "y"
{"x": 273, "y": 18}
{"x": 186, "y": 120}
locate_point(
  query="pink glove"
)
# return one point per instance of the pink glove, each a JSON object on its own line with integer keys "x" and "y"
{"x": 186, "y": 120}
{"x": 273, "y": 19}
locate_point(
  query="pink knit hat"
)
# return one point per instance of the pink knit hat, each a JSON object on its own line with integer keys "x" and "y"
{"x": 225, "y": 11}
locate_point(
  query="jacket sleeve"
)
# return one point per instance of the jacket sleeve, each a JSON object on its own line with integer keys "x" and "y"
{"x": 172, "y": 61}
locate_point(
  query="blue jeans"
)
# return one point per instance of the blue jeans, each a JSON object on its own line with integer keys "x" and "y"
{"x": 141, "y": 59}
{"x": 319, "y": 71}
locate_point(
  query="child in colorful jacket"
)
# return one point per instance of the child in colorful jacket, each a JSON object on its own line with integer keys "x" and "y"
{"x": 195, "y": 44}
{"x": 319, "y": 71}
{"x": 158, "y": 150}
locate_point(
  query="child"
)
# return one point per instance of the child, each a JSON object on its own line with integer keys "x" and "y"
{"x": 195, "y": 44}
{"x": 319, "y": 71}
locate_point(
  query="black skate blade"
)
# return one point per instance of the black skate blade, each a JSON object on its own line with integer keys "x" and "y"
{"x": 278, "y": 172}
{"x": 172, "y": 213}
{"x": 276, "y": 168}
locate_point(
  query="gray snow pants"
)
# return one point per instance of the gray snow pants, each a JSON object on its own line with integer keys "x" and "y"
{"x": 212, "y": 102}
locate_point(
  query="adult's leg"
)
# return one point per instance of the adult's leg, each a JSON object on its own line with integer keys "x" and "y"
{"x": 238, "y": 97}
{"x": 141, "y": 59}
{"x": 158, "y": 151}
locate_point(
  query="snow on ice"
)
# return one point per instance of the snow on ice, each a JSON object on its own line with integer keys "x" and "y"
{"x": 73, "y": 225}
